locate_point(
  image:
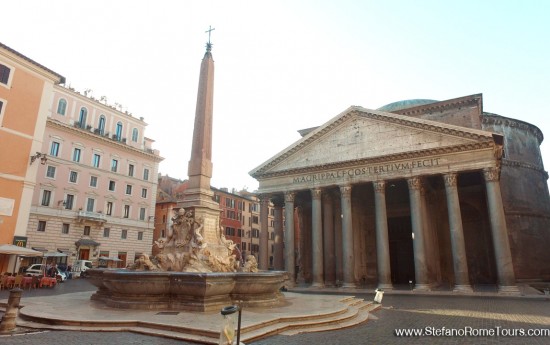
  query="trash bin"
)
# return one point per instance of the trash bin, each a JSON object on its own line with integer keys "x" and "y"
{"x": 378, "y": 296}
{"x": 231, "y": 327}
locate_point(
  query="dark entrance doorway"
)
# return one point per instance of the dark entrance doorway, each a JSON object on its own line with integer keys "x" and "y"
{"x": 401, "y": 250}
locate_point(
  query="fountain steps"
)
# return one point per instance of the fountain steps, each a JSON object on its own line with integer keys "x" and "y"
{"x": 352, "y": 311}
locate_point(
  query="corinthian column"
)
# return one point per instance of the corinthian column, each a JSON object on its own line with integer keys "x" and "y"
{"x": 420, "y": 264}
{"x": 263, "y": 263}
{"x": 317, "y": 238}
{"x": 503, "y": 255}
{"x": 278, "y": 259}
{"x": 382, "y": 241}
{"x": 347, "y": 237}
{"x": 458, "y": 248}
{"x": 290, "y": 263}
{"x": 328, "y": 240}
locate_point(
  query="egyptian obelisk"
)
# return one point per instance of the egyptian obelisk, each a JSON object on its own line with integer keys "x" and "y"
{"x": 198, "y": 195}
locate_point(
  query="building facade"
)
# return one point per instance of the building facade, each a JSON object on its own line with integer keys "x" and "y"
{"x": 417, "y": 192}
{"x": 95, "y": 194}
{"x": 25, "y": 97}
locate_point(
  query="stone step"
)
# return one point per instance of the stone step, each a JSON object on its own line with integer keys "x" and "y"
{"x": 356, "y": 313}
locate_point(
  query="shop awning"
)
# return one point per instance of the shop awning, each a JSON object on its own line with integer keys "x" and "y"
{"x": 40, "y": 249}
{"x": 86, "y": 242}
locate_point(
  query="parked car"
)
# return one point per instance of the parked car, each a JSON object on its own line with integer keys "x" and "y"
{"x": 35, "y": 270}
{"x": 80, "y": 267}
{"x": 39, "y": 270}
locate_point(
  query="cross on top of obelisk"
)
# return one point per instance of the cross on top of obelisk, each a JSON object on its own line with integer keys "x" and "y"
{"x": 209, "y": 44}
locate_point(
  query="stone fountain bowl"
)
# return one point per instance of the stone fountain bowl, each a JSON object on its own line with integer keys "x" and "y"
{"x": 158, "y": 290}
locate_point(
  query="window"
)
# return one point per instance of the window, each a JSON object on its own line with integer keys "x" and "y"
{"x": 73, "y": 176}
{"x": 90, "y": 205}
{"x": 255, "y": 219}
{"x": 50, "y": 171}
{"x": 1, "y": 105}
{"x": 142, "y": 213}
{"x": 54, "y": 149}
{"x": 272, "y": 236}
{"x": 46, "y": 196}
{"x": 229, "y": 202}
{"x": 93, "y": 181}
{"x": 118, "y": 133}
{"x": 146, "y": 174}
{"x": 109, "y": 208}
{"x": 128, "y": 189}
{"x": 130, "y": 170}
{"x": 255, "y": 233}
{"x": 87, "y": 230}
{"x": 76, "y": 155}
{"x": 104, "y": 253}
{"x": 144, "y": 192}
{"x": 124, "y": 234}
{"x": 96, "y": 160}
{"x": 140, "y": 236}
{"x": 69, "y": 201}
{"x": 82, "y": 117}
{"x": 65, "y": 228}
{"x": 4, "y": 74}
{"x": 135, "y": 135}
{"x": 114, "y": 165}
{"x": 126, "y": 211}
{"x": 163, "y": 218}
{"x": 112, "y": 186}
{"x": 101, "y": 125}
{"x": 106, "y": 232}
{"x": 61, "y": 106}
{"x": 41, "y": 225}
{"x": 244, "y": 245}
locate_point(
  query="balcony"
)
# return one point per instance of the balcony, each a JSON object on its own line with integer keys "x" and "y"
{"x": 91, "y": 216}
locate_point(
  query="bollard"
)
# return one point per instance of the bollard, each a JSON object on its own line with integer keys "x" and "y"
{"x": 8, "y": 320}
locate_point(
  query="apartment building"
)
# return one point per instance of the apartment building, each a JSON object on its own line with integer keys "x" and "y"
{"x": 95, "y": 193}
{"x": 25, "y": 97}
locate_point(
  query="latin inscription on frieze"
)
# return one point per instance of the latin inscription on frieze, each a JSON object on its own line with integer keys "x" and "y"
{"x": 375, "y": 169}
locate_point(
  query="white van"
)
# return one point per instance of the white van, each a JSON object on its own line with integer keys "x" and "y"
{"x": 80, "y": 267}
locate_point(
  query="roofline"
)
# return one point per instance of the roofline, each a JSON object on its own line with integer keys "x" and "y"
{"x": 61, "y": 79}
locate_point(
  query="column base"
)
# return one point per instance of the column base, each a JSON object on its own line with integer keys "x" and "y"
{"x": 422, "y": 287}
{"x": 463, "y": 288}
{"x": 349, "y": 285}
{"x": 385, "y": 286}
{"x": 317, "y": 285}
{"x": 508, "y": 290}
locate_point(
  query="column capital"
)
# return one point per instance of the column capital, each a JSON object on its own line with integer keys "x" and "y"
{"x": 289, "y": 196}
{"x": 265, "y": 199}
{"x": 491, "y": 174}
{"x": 450, "y": 179}
{"x": 316, "y": 193}
{"x": 415, "y": 183}
{"x": 379, "y": 186}
{"x": 345, "y": 190}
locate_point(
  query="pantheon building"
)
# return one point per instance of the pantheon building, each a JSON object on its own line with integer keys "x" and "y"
{"x": 421, "y": 193}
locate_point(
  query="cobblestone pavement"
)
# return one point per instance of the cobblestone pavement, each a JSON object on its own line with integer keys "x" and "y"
{"x": 473, "y": 314}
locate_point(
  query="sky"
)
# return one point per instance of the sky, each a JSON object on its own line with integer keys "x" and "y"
{"x": 281, "y": 66}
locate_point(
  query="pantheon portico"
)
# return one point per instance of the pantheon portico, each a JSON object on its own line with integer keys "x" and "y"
{"x": 377, "y": 197}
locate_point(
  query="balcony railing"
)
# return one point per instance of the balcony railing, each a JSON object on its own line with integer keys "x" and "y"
{"x": 92, "y": 216}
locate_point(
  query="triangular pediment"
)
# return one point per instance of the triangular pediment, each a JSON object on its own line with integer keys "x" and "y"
{"x": 360, "y": 134}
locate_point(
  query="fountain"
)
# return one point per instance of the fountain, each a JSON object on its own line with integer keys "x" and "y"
{"x": 196, "y": 269}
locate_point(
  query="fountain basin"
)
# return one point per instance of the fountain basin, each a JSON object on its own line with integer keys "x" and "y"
{"x": 152, "y": 290}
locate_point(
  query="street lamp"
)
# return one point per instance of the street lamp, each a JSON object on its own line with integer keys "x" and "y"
{"x": 42, "y": 157}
